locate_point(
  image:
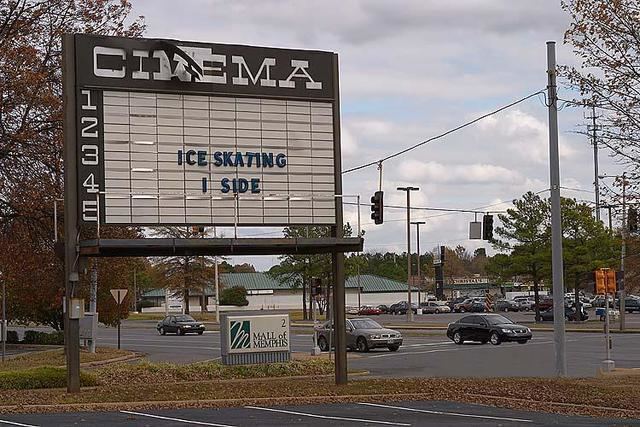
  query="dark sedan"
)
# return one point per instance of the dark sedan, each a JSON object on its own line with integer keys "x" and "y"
{"x": 506, "y": 305}
{"x": 402, "y": 307}
{"x": 569, "y": 314}
{"x": 493, "y": 328}
{"x": 180, "y": 324}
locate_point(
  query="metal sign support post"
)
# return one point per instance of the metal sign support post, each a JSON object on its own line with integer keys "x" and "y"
{"x": 337, "y": 258}
{"x": 4, "y": 319}
{"x": 556, "y": 217}
{"x": 93, "y": 299}
{"x": 608, "y": 364}
{"x": 71, "y": 230}
{"x": 623, "y": 254}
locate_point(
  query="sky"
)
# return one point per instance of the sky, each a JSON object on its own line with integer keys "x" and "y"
{"x": 410, "y": 70}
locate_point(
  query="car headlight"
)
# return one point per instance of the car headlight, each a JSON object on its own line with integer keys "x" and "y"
{"x": 506, "y": 331}
{"x": 187, "y": 326}
{"x": 375, "y": 337}
{"x": 200, "y": 326}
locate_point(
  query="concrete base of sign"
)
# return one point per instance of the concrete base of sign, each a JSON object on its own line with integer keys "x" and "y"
{"x": 607, "y": 366}
{"x": 256, "y": 358}
{"x": 316, "y": 351}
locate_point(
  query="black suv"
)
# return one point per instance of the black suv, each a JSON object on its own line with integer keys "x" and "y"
{"x": 493, "y": 328}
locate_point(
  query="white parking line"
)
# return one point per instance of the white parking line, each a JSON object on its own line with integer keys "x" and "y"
{"x": 180, "y": 420}
{"x": 327, "y": 417}
{"x": 16, "y": 424}
{"x": 453, "y": 414}
{"x": 429, "y": 344}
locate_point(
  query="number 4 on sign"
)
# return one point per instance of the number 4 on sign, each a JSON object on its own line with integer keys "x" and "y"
{"x": 119, "y": 294}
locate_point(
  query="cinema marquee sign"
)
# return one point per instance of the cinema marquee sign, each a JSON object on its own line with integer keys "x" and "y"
{"x": 172, "y": 132}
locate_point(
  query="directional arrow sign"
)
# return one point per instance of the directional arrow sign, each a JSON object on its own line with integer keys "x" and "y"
{"x": 119, "y": 294}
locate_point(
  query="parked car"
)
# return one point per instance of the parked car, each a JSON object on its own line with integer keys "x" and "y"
{"x": 569, "y": 314}
{"x": 452, "y": 302}
{"x": 367, "y": 310}
{"x": 466, "y": 304}
{"x": 477, "y": 307}
{"x": 384, "y": 309}
{"x": 435, "y": 307}
{"x": 544, "y": 303}
{"x": 631, "y": 305}
{"x": 525, "y": 304}
{"x": 506, "y": 305}
{"x": 180, "y": 324}
{"x": 484, "y": 328}
{"x": 599, "y": 301}
{"x": 402, "y": 307}
{"x": 363, "y": 334}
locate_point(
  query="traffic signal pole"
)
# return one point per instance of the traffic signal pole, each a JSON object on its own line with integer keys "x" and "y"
{"x": 556, "y": 217}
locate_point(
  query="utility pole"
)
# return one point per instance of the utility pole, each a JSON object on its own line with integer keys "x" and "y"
{"x": 596, "y": 183}
{"x": 417, "y": 224}
{"x": 623, "y": 251}
{"x": 408, "y": 191}
{"x": 556, "y": 217}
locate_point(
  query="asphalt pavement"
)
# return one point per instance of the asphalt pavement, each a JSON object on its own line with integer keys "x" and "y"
{"x": 421, "y": 355}
{"x": 406, "y": 414}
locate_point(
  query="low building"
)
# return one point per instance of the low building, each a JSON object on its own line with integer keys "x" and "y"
{"x": 264, "y": 292}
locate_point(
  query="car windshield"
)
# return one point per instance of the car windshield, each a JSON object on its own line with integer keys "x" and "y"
{"x": 497, "y": 320}
{"x": 185, "y": 318}
{"x": 365, "y": 324}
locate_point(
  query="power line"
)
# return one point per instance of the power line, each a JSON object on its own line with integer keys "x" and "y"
{"x": 450, "y": 131}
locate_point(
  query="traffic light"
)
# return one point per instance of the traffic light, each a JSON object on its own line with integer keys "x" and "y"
{"x": 487, "y": 227}
{"x": 442, "y": 252}
{"x": 376, "y": 207}
{"x": 605, "y": 281}
{"x": 632, "y": 222}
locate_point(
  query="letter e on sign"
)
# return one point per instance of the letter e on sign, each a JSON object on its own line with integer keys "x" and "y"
{"x": 119, "y": 294}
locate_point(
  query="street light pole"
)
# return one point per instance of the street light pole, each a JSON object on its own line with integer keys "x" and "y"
{"x": 408, "y": 191}
{"x": 417, "y": 224}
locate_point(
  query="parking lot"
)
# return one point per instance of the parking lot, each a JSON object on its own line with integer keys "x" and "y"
{"x": 418, "y": 413}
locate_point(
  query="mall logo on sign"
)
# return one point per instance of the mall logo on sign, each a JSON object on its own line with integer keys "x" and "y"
{"x": 240, "y": 334}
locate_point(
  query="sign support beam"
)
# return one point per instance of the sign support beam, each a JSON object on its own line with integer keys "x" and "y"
{"x": 337, "y": 232}
{"x": 71, "y": 230}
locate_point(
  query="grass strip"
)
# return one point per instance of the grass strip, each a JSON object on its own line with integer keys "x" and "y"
{"x": 41, "y": 377}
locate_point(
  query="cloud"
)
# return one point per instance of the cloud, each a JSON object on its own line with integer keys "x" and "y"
{"x": 459, "y": 174}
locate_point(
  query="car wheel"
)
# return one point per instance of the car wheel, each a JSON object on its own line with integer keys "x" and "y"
{"x": 323, "y": 344}
{"x": 394, "y": 347}
{"x": 179, "y": 331}
{"x": 457, "y": 338}
{"x": 506, "y": 309}
{"x": 200, "y": 332}
{"x": 437, "y": 311}
{"x": 362, "y": 345}
{"x": 494, "y": 338}
{"x": 161, "y": 331}
{"x": 522, "y": 342}
{"x": 462, "y": 310}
